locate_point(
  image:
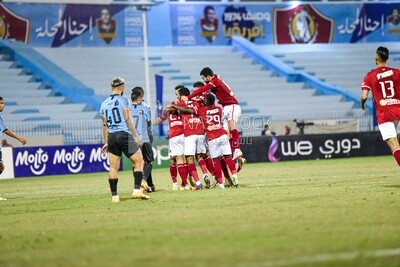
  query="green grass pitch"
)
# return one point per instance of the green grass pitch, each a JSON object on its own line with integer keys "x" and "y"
{"x": 337, "y": 212}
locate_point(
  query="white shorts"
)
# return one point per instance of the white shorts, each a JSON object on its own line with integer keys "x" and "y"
{"x": 195, "y": 144}
{"x": 176, "y": 146}
{"x": 229, "y": 113}
{"x": 219, "y": 147}
{"x": 388, "y": 129}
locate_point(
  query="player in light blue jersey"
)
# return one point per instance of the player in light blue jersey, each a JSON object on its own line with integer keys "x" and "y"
{"x": 120, "y": 136}
{"x": 149, "y": 125}
{"x": 8, "y": 132}
{"x": 141, "y": 118}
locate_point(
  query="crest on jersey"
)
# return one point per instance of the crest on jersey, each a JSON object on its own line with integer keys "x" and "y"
{"x": 302, "y": 24}
{"x": 13, "y": 26}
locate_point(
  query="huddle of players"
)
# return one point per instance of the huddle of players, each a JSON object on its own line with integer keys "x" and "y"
{"x": 194, "y": 122}
{"x": 196, "y": 131}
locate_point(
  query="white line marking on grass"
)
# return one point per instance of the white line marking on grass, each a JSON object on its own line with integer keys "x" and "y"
{"x": 330, "y": 257}
{"x": 256, "y": 185}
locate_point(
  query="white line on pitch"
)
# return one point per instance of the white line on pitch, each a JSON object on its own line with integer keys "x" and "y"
{"x": 328, "y": 257}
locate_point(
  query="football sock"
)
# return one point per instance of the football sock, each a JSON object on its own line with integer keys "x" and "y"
{"x": 173, "y": 171}
{"x": 150, "y": 180}
{"x": 193, "y": 172}
{"x": 138, "y": 176}
{"x": 210, "y": 165}
{"x": 203, "y": 167}
{"x": 218, "y": 171}
{"x": 147, "y": 170}
{"x": 230, "y": 164}
{"x": 113, "y": 186}
{"x": 235, "y": 139}
{"x": 224, "y": 168}
{"x": 183, "y": 173}
{"x": 396, "y": 155}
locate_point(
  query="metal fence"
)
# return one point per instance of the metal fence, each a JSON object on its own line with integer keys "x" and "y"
{"x": 90, "y": 131}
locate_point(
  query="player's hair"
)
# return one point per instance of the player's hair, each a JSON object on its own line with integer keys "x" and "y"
{"x": 206, "y": 10}
{"x": 383, "y": 53}
{"x": 135, "y": 95}
{"x": 198, "y": 84}
{"x": 206, "y": 72}
{"x": 1, "y": 98}
{"x": 179, "y": 87}
{"x": 210, "y": 99}
{"x": 117, "y": 81}
{"x": 138, "y": 89}
{"x": 184, "y": 91}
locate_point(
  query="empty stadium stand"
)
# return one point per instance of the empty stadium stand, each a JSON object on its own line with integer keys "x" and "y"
{"x": 296, "y": 85}
{"x": 262, "y": 92}
{"x": 33, "y": 106}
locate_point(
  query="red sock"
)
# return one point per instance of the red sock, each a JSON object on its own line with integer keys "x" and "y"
{"x": 218, "y": 171}
{"x": 224, "y": 168}
{"x": 230, "y": 164}
{"x": 396, "y": 155}
{"x": 210, "y": 165}
{"x": 203, "y": 167}
{"x": 193, "y": 172}
{"x": 183, "y": 173}
{"x": 173, "y": 171}
{"x": 235, "y": 139}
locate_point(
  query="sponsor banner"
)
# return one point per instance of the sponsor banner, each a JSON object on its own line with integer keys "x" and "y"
{"x": 57, "y": 160}
{"x": 285, "y": 23}
{"x": 55, "y": 25}
{"x": 186, "y": 24}
{"x": 319, "y": 146}
{"x": 13, "y": 26}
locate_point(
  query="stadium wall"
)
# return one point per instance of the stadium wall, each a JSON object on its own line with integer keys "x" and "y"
{"x": 60, "y": 160}
{"x": 182, "y": 24}
{"x": 48, "y": 160}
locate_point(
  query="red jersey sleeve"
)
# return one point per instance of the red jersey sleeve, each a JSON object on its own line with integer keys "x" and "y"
{"x": 164, "y": 115}
{"x": 199, "y": 91}
{"x": 366, "y": 84}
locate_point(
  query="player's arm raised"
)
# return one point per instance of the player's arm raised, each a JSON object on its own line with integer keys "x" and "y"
{"x": 199, "y": 91}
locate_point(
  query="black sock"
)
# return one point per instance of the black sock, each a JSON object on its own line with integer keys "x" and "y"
{"x": 147, "y": 170}
{"x": 138, "y": 176}
{"x": 113, "y": 186}
{"x": 150, "y": 180}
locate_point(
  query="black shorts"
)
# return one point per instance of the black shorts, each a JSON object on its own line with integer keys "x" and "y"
{"x": 147, "y": 152}
{"x": 122, "y": 142}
